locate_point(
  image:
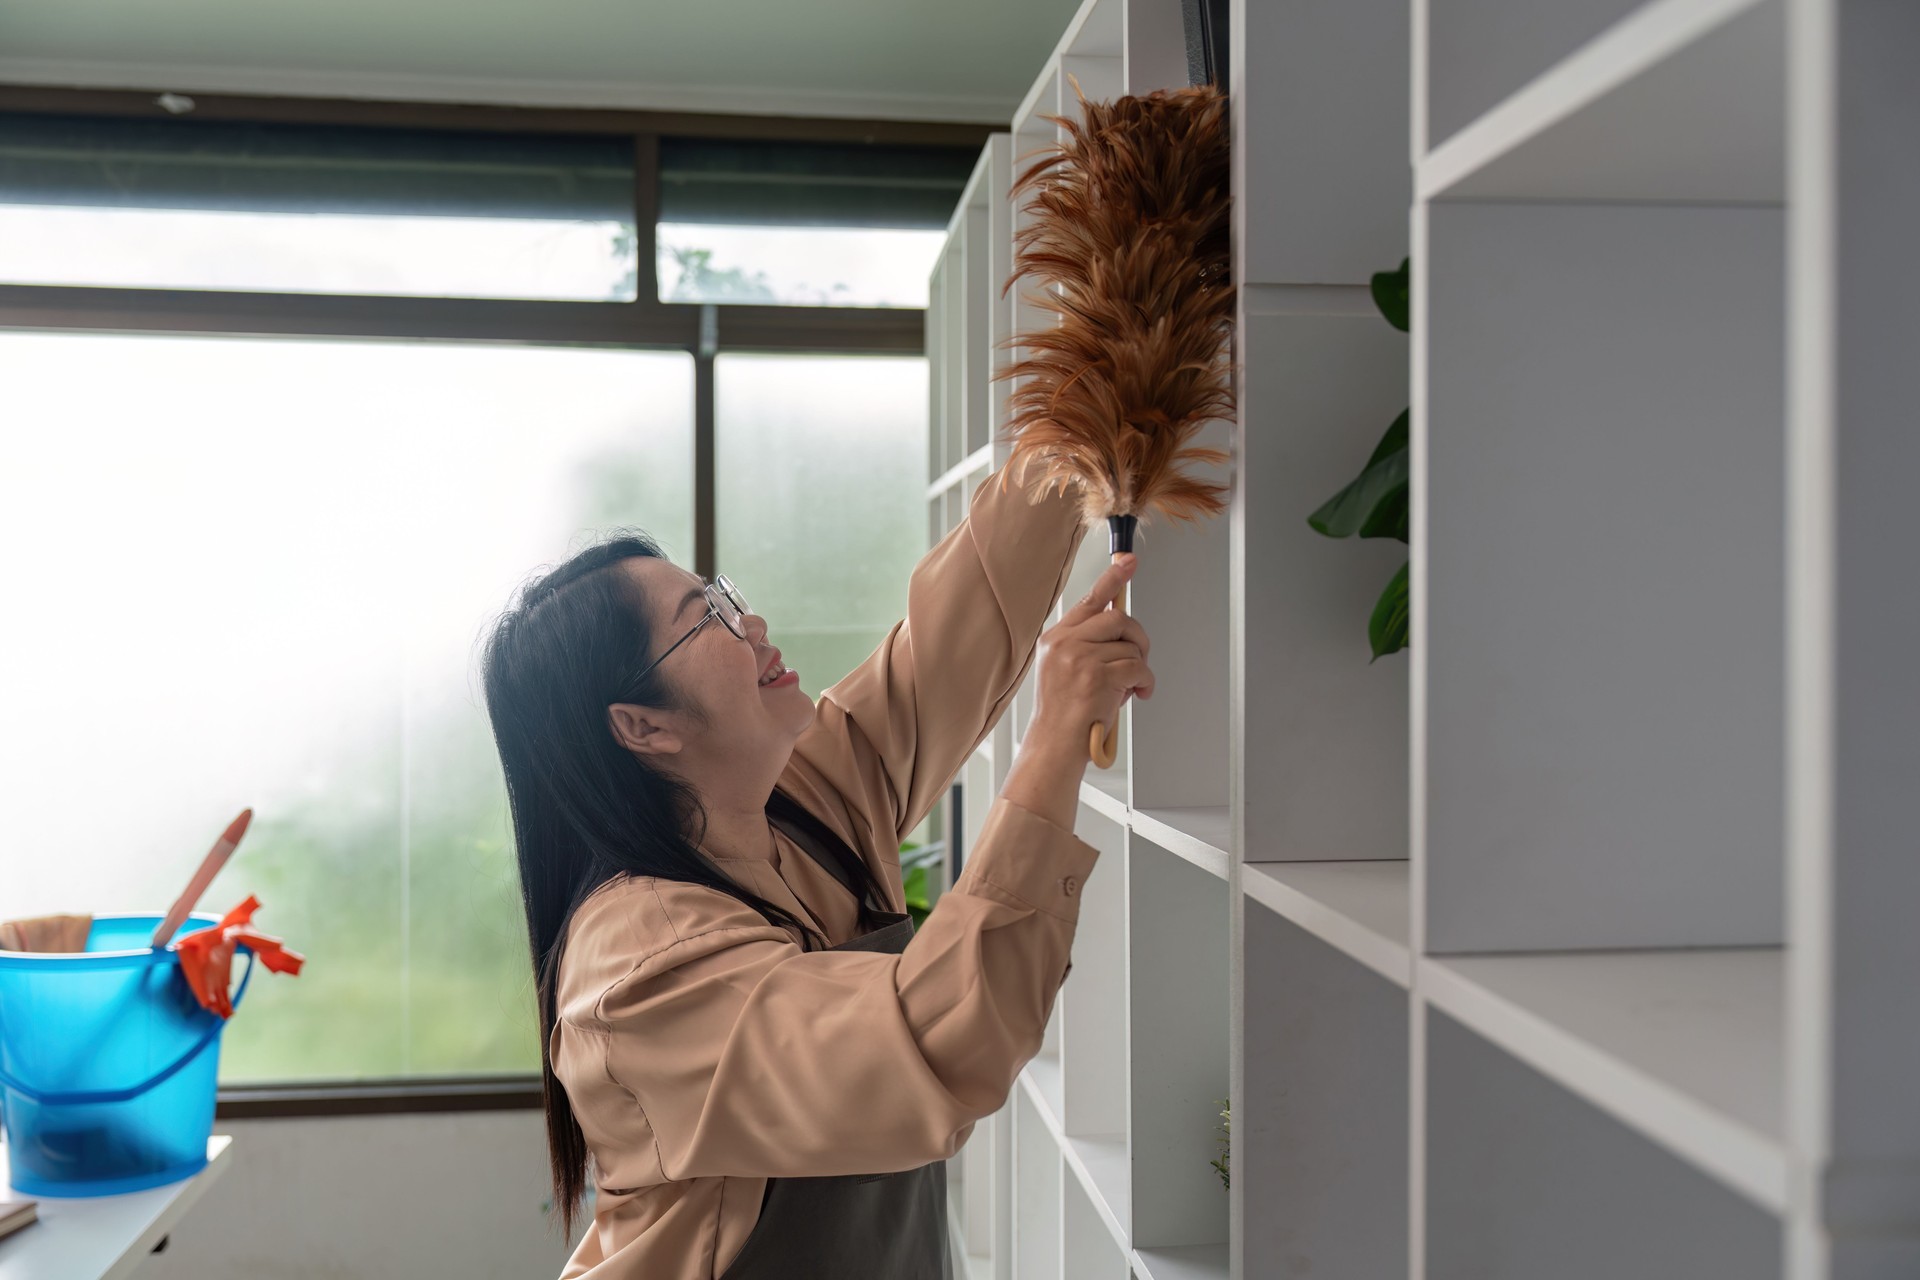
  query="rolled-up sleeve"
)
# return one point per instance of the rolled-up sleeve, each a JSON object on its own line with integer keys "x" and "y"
{"x": 752, "y": 1058}
{"x": 890, "y": 736}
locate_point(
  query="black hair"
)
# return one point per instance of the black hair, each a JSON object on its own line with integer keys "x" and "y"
{"x": 585, "y": 809}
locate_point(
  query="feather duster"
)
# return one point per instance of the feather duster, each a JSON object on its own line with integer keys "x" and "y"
{"x": 1130, "y": 235}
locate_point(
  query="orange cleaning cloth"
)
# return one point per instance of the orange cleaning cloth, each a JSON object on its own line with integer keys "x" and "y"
{"x": 206, "y": 956}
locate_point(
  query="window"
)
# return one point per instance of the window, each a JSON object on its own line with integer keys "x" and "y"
{"x": 258, "y": 570}
{"x": 257, "y": 573}
{"x": 197, "y": 204}
{"x": 803, "y": 225}
{"x": 820, "y": 492}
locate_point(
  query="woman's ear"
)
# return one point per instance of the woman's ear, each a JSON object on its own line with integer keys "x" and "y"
{"x": 642, "y": 729}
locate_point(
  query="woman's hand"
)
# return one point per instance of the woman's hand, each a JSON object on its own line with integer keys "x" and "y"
{"x": 1091, "y": 661}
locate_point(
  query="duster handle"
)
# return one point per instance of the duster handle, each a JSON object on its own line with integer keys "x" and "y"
{"x": 1103, "y": 743}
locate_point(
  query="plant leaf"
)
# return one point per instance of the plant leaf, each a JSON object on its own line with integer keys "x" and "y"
{"x": 1397, "y": 438}
{"x": 1391, "y": 518}
{"x": 1357, "y": 508}
{"x": 1391, "y": 294}
{"x": 1387, "y": 629}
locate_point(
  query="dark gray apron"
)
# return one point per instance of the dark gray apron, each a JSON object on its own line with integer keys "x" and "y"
{"x": 857, "y": 1226}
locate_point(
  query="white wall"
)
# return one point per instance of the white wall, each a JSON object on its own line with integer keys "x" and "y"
{"x": 364, "y": 1198}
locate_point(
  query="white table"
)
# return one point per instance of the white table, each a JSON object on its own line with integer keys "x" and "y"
{"x": 103, "y": 1237}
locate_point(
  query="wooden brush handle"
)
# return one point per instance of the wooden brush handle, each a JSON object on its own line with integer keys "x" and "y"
{"x": 1103, "y": 743}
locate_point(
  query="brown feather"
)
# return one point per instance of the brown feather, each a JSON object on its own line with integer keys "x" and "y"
{"x": 1131, "y": 240}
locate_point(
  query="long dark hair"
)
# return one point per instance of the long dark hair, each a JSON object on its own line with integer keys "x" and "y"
{"x": 585, "y": 809}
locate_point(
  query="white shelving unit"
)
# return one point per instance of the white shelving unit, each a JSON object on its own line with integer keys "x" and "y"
{"x": 1572, "y": 942}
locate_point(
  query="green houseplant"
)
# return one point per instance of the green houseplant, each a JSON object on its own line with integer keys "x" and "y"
{"x": 1374, "y": 504}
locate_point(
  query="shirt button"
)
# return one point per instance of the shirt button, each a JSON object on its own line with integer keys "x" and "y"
{"x": 1068, "y": 884}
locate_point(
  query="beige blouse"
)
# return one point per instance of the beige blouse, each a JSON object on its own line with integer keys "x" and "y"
{"x": 704, "y": 1052}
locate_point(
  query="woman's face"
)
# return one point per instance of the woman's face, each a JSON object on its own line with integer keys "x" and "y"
{"x": 748, "y": 726}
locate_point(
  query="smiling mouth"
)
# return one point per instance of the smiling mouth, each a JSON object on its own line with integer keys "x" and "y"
{"x": 772, "y": 673}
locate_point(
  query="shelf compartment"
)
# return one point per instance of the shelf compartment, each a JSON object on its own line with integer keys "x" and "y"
{"x": 1688, "y": 1047}
{"x": 976, "y": 801}
{"x": 1035, "y": 1194}
{"x": 1093, "y": 999}
{"x": 1044, "y": 1070}
{"x": 955, "y": 340}
{"x": 1177, "y": 740}
{"x": 1201, "y": 836}
{"x": 1181, "y": 1262}
{"x": 1178, "y": 1020}
{"x": 1684, "y": 101}
{"x": 1524, "y": 1179}
{"x": 1325, "y": 726}
{"x": 1321, "y": 173}
{"x": 1361, "y": 908}
{"x": 1088, "y": 1250}
{"x": 1100, "y": 793}
{"x": 1100, "y": 1162}
{"x": 1320, "y": 1131}
{"x": 939, "y": 369}
{"x": 1030, "y": 131}
{"x": 1102, "y": 78}
{"x": 976, "y": 313}
{"x": 1604, "y": 440}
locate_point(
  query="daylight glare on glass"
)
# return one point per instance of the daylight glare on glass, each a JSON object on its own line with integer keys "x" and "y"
{"x": 796, "y": 266}
{"x": 398, "y": 255}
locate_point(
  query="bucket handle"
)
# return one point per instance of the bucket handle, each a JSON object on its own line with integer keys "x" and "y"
{"x": 87, "y": 1097}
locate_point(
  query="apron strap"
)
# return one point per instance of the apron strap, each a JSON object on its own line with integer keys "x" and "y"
{"x": 821, "y": 842}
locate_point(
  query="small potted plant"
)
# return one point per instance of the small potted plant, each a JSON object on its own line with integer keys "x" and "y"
{"x": 1223, "y": 1165}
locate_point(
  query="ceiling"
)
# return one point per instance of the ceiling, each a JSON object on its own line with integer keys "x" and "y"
{"x": 966, "y": 60}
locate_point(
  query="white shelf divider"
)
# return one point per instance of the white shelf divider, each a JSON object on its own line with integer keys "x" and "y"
{"x": 1200, "y": 835}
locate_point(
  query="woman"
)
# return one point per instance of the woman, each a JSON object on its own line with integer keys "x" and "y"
{"x": 766, "y": 1073}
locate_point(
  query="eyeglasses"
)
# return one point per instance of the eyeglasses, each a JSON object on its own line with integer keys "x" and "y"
{"x": 724, "y": 602}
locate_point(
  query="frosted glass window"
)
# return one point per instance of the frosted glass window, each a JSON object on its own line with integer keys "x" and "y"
{"x": 258, "y": 572}
{"x": 821, "y": 492}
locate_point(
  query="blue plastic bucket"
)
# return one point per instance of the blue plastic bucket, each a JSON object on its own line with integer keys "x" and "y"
{"x": 108, "y": 1065}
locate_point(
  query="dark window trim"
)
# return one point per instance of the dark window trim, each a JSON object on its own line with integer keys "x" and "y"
{"x": 674, "y": 325}
{"x": 402, "y": 1096}
{"x": 701, "y": 330}
{"x": 514, "y": 119}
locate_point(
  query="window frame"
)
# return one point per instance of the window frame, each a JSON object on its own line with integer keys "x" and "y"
{"x": 703, "y": 330}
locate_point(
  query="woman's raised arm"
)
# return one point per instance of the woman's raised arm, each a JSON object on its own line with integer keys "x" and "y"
{"x": 751, "y": 1058}
{"x": 890, "y": 736}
